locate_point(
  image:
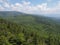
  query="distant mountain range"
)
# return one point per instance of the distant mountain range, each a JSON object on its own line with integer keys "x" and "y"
{"x": 6, "y": 13}
{"x": 12, "y": 15}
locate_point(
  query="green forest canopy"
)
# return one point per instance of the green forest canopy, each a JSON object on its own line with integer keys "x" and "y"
{"x": 29, "y": 30}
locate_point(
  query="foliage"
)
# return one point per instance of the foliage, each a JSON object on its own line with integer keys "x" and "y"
{"x": 29, "y": 30}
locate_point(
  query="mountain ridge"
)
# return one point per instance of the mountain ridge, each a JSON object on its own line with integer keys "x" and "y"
{"x": 28, "y": 30}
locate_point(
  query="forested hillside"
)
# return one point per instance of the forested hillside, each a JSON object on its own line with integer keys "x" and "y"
{"x": 29, "y": 30}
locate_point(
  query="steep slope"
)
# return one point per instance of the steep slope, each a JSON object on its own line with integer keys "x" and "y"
{"x": 30, "y": 34}
{"x": 29, "y": 30}
{"x": 29, "y": 19}
{"x": 20, "y": 17}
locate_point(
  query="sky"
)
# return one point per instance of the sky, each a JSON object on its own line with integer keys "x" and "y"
{"x": 31, "y": 6}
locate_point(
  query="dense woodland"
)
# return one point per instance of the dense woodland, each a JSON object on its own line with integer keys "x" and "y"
{"x": 29, "y": 30}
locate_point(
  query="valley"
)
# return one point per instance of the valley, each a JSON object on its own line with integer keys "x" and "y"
{"x": 25, "y": 29}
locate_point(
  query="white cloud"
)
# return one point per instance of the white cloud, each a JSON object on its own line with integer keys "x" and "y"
{"x": 27, "y": 7}
{"x": 38, "y": 9}
{"x": 49, "y": 0}
{"x": 6, "y": 5}
{"x": 26, "y": 3}
{"x": 1, "y": 8}
{"x": 2, "y": 1}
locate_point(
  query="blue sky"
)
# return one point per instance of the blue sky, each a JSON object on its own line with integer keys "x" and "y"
{"x": 35, "y": 2}
{"x": 31, "y": 6}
